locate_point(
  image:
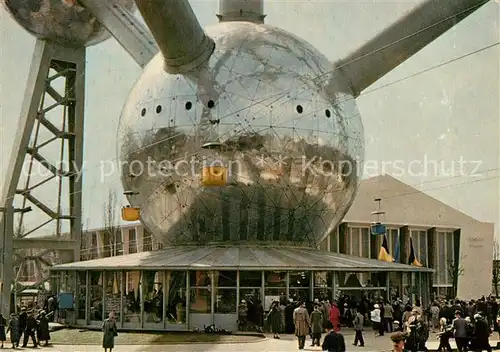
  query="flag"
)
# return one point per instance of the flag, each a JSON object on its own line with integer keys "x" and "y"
{"x": 384, "y": 251}
{"x": 413, "y": 260}
{"x": 396, "y": 250}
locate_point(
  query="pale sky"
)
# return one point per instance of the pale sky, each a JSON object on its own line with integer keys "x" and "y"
{"x": 447, "y": 114}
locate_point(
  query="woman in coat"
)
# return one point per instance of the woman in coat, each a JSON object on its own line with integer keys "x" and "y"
{"x": 14, "y": 331}
{"x": 274, "y": 318}
{"x": 109, "y": 332}
{"x": 43, "y": 333}
{"x": 335, "y": 317}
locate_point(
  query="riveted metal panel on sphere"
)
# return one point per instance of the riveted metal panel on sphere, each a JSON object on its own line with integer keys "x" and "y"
{"x": 292, "y": 151}
{"x": 62, "y": 21}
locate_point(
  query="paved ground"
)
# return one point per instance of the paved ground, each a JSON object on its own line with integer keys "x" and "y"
{"x": 285, "y": 344}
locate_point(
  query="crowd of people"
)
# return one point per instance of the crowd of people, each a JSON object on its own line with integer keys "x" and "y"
{"x": 32, "y": 321}
{"x": 470, "y": 324}
{"x": 25, "y": 325}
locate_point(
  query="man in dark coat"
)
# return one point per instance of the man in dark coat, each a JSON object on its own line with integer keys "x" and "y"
{"x": 23, "y": 317}
{"x": 334, "y": 342}
{"x": 29, "y": 330}
{"x": 289, "y": 326}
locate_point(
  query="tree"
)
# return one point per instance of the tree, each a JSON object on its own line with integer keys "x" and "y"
{"x": 111, "y": 231}
{"x": 496, "y": 266}
{"x": 455, "y": 270}
{"x": 85, "y": 243}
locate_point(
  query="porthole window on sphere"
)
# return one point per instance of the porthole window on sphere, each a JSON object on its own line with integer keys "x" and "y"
{"x": 328, "y": 113}
{"x": 299, "y": 109}
{"x": 210, "y": 104}
{"x": 188, "y": 105}
{"x": 158, "y": 109}
{"x": 143, "y": 112}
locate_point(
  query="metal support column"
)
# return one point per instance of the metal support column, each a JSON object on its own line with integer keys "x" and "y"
{"x": 237, "y": 290}
{"x": 263, "y": 288}
{"x": 165, "y": 289}
{"x": 76, "y": 297}
{"x": 122, "y": 297}
{"x": 311, "y": 285}
{"x": 334, "y": 285}
{"x": 87, "y": 298}
{"x": 412, "y": 286}
{"x": 420, "y": 284}
{"x": 188, "y": 299}
{"x": 7, "y": 269}
{"x": 212, "y": 296}
{"x": 287, "y": 292}
{"x": 141, "y": 296}
{"x": 51, "y": 120}
{"x": 104, "y": 275}
{"x": 387, "y": 287}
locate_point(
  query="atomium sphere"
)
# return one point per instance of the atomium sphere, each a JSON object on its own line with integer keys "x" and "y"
{"x": 61, "y": 21}
{"x": 249, "y": 148}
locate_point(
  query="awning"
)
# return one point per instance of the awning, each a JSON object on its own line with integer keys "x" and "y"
{"x": 239, "y": 258}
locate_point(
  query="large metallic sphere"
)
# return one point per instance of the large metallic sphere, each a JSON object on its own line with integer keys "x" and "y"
{"x": 292, "y": 152}
{"x": 61, "y": 21}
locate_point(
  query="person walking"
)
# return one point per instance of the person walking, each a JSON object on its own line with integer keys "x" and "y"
{"x": 358, "y": 329}
{"x": 43, "y": 333}
{"x": 434, "y": 312}
{"x": 376, "y": 320}
{"x": 481, "y": 334}
{"x": 316, "y": 325}
{"x": 14, "y": 331}
{"x": 274, "y": 319}
{"x": 109, "y": 333}
{"x": 22, "y": 318}
{"x": 335, "y": 317}
{"x": 388, "y": 316}
{"x": 3, "y": 323}
{"x": 444, "y": 335}
{"x": 302, "y": 324}
{"x": 29, "y": 330}
{"x": 460, "y": 331}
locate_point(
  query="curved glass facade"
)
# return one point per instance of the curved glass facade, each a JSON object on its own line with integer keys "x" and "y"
{"x": 190, "y": 300}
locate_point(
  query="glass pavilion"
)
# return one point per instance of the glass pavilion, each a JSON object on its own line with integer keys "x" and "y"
{"x": 187, "y": 288}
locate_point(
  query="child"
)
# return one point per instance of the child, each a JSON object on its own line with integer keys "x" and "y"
{"x": 445, "y": 333}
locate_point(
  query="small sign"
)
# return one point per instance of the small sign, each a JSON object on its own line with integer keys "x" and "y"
{"x": 65, "y": 300}
{"x": 378, "y": 229}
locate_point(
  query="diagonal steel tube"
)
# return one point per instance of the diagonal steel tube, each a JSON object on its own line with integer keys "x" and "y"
{"x": 403, "y": 39}
{"x": 177, "y": 32}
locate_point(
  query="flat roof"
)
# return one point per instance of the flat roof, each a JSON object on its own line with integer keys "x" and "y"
{"x": 239, "y": 258}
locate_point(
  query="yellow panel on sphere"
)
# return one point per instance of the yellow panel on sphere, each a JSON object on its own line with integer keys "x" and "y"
{"x": 130, "y": 213}
{"x": 214, "y": 176}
